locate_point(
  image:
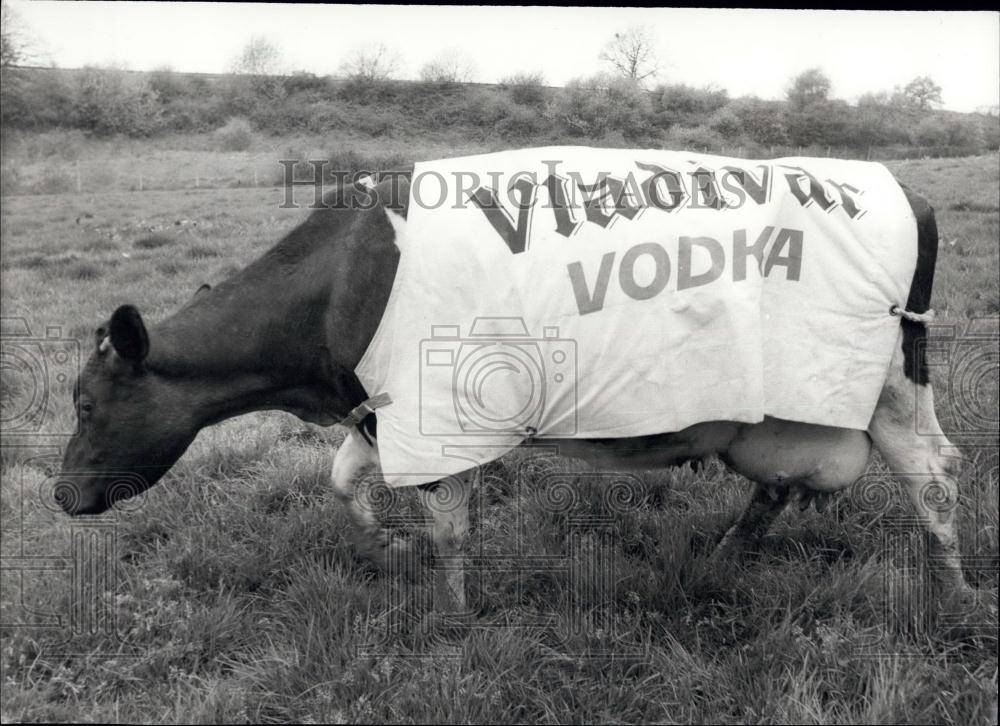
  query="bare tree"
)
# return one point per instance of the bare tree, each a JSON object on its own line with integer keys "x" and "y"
{"x": 453, "y": 66}
{"x": 17, "y": 45}
{"x": 259, "y": 57}
{"x": 255, "y": 74}
{"x": 370, "y": 63}
{"x": 632, "y": 54}
{"x": 10, "y": 45}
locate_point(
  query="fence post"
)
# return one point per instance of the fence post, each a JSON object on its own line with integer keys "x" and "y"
{"x": 79, "y": 184}
{"x": 255, "y": 183}
{"x": 196, "y": 180}
{"x": 140, "y": 181}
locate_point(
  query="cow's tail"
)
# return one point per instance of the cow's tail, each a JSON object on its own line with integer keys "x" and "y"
{"x": 919, "y": 300}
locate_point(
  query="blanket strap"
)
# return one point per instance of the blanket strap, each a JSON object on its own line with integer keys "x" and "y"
{"x": 922, "y": 318}
{"x": 359, "y": 412}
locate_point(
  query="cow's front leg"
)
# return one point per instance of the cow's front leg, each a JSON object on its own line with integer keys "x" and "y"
{"x": 355, "y": 471}
{"x": 447, "y": 501}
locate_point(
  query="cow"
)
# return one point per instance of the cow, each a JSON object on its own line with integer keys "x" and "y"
{"x": 286, "y": 333}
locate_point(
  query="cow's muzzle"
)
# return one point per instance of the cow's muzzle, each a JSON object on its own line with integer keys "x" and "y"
{"x": 83, "y": 494}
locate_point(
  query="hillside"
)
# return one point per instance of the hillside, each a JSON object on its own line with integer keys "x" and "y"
{"x": 521, "y": 111}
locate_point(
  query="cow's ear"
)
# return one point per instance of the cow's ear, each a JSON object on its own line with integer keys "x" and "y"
{"x": 128, "y": 334}
{"x": 100, "y": 335}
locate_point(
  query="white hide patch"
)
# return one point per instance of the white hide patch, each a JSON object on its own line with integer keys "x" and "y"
{"x": 398, "y": 226}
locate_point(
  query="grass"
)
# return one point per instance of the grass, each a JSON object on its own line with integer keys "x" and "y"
{"x": 194, "y": 162}
{"x": 235, "y": 596}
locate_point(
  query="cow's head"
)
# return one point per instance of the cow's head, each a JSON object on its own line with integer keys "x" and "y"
{"x": 134, "y": 423}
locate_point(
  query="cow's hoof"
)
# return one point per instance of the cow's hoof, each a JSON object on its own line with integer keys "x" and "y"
{"x": 732, "y": 549}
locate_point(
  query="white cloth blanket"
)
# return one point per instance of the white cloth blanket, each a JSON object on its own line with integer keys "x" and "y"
{"x": 571, "y": 292}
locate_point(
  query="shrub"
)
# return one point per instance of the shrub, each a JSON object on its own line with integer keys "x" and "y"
{"x": 326, "y": 116}
{"x": 245, "y": 95}
{"x": 990, "y": 128}
{"x": 39, "y": 98}
{"x": 236, "y": 135}
{"x": 761, "y": 122}
{"x": 581, "y": 111}
{"x": 193, "y": 113}
{"x": 496, "y": 113}
{"x": 364, "y": 91}
{"x": 485, "y": 109}
{"x": 822, "y": 122}
{"x": 698, "y": 138}
{"x": 527, "y": 89}
{"x": 590, "y": 107}
{"x": 110, "y": 101}
{"x": 881, "y": 119}
{"x": 942, "y": 130}
{"x": 686, "y": 106}
{"x": 727, "y": 122}
{"x": 307, "y": 84}
{"x": 168, "y": 85}
{"x": 279, "y": 117}
{"x": 520, "y": 123}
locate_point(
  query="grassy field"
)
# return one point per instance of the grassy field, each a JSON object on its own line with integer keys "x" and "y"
{"x": 229, "y": 592}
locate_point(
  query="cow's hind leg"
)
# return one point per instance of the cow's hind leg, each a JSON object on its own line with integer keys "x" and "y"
{"x": 355, "y": 471}
{"x": 906, "y": 431}
{"x": 766, "y": 503}
{"x": 786, "y": 459}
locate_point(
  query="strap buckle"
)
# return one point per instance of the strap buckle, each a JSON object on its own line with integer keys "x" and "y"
{"x": 358, "y": 413}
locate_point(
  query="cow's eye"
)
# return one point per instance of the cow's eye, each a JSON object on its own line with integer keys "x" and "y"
{"x": 86, "y": 408}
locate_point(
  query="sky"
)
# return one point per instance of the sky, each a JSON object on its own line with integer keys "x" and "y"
{"x": 746, "y": 52}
